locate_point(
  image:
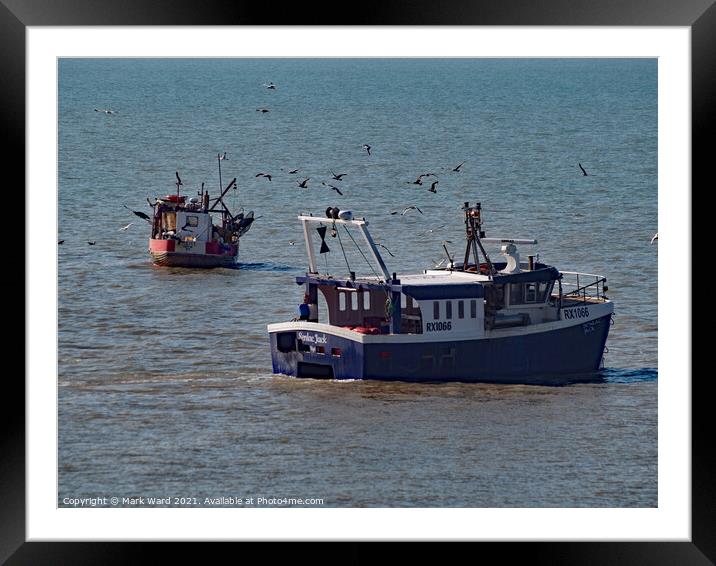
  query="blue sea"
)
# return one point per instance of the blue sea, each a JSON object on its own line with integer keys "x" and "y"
{"x": 165, "y": 381}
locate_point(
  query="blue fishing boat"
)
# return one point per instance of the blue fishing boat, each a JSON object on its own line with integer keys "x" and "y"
{"x": 479, "y": 320}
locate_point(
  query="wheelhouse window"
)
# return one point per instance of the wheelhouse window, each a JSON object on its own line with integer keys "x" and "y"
{"x": 354, "y": 301}
{"x": 341, "y": 301}
{"x": 544, "y": 290}
{"x": 448, "y": 309}
{"x": 192, "y": 221}
{"x": 516, "y": 290}
{"x": 461, "y": 309}
{"x": 473, "y": 308}
{"x": 366, "y": 301}
{"x": 530, "y": 292}
{"x": 436, "y": 310}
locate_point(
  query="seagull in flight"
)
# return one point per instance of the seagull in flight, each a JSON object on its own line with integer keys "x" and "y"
{"x": 292, "y": 242}
{"x": 139, "y": 212}
{"x": 270, "y": 86}
{"x": 125, "y": 228}
{"x": 223, "y": 157}
{"x": 419, "y": 180}
{"x": 332, "y": 187}
{"x": 293, "y": 171}
{"x": 338, "y": 177}
{"x": 304, "y": 184}
{"x": 385, "y": 248}
{"x": 105, "y": 110}
{"x": 432, "y": 188}
{"x": 263, "y": 175}
{"x": 92, "y": 242}
{"x": 584, "y": 173}
{"x": 262, "y": 110}
{"x": 60, "y": 242}
{"x": 366, "y": 147}
{"x": 457, "y": 169}
{"x": 655, "y": 238}
{"x": 406, "y": 209}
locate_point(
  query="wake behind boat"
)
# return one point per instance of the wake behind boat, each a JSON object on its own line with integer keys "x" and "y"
{"x": 200, "y": 232}
{"x": 507, "y": 321}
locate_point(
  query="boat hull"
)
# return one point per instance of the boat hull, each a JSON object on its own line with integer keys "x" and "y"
{"x": 566, "y": 353}
{"x": 169, "y": 253}
{"x": 178, "y": 259}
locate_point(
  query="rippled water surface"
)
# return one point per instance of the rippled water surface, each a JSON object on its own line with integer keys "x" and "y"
{"x": 165, "y": 384}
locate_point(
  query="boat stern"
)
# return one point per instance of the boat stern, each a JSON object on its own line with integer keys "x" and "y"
{"x": 308, "y": 349}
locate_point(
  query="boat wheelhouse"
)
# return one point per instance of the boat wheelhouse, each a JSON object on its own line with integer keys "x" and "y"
{"x": 506, "y": 321}
{"x": 198, "y": 232}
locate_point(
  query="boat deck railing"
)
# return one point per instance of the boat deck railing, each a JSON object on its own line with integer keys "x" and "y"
{"x": 583, "y": 287}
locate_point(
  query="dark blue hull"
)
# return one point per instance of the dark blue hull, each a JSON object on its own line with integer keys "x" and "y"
{"x": 544, "y": 357}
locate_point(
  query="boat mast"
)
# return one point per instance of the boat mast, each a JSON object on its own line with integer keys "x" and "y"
{"x": 473, "y": 231}
{"x": 362, "y": 226}
{"x": 225, "y": 210}
{"x": 218, "y": 159}
{"x": 223, "y": 216}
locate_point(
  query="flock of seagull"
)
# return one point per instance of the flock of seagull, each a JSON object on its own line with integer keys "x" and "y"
{"x": 304, "y": 183}
{"x": 334, "y": 177}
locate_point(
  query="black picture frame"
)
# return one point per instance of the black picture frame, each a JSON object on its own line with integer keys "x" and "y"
{"x": 699, "y": 15}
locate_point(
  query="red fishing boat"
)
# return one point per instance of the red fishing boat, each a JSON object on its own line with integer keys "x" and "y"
{"x": 197, "y": 231}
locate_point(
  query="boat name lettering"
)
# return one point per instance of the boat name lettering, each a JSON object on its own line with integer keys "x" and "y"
{"x": 578, "y": 312}
{"x": 438, "y": 326}
{"x": 314, "y": 338}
